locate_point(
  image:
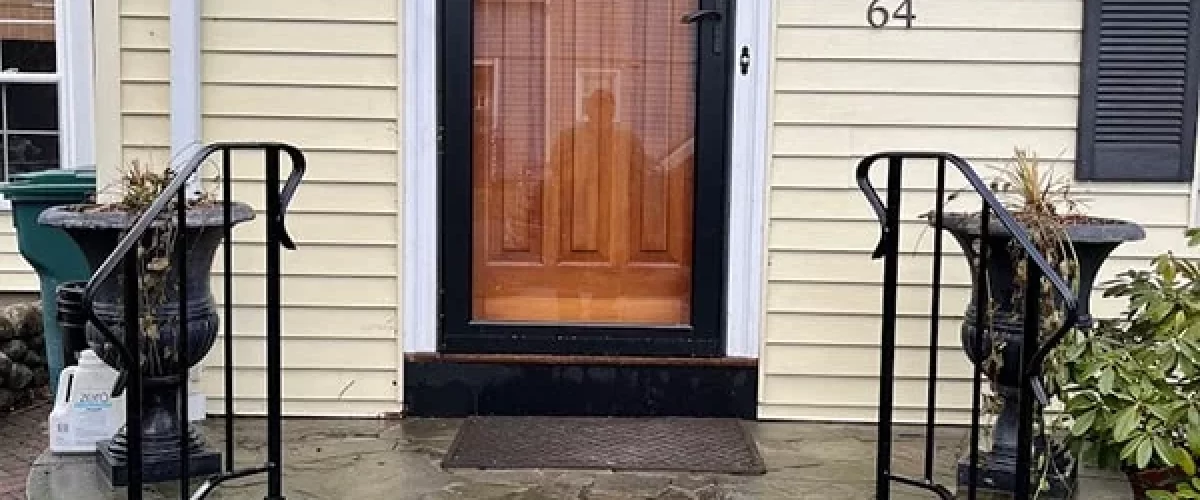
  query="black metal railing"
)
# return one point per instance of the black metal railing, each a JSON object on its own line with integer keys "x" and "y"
{"x": 129, "y": 349}
{"x": 1033, "y": 349}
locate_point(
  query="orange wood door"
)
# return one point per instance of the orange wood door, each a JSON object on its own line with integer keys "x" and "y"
{"x": 583, "y": 164}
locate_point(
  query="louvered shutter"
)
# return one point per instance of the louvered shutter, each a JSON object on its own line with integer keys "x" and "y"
{"x": 1137, "y": 110}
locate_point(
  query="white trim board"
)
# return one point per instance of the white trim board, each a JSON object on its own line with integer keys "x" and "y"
{"x": 747, "y": 262}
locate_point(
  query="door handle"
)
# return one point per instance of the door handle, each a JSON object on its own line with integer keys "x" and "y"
{"x": 700, "y": 15}
{"x": 718, "y": 35}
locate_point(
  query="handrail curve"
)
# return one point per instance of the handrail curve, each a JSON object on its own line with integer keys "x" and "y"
{"x": 146, "y": 219}
{"x": 1018, "y": 233}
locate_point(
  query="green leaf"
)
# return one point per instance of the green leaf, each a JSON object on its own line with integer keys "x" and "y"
{"x": 1196, "y": 482}
{"x": 1144, "y": 452}
{"x": 1083, "y": 423}
{"x": 1107, "y": 378}
{"x": 1164, "y": 451}
{"x": 1131, "y": 447}
{"x": 1158, "y": 495}
{"x": 1127, "y": 420}
{"x": 1184, "y": 459}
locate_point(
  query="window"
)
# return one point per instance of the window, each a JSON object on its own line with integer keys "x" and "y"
{"x": 1139, "y": 76}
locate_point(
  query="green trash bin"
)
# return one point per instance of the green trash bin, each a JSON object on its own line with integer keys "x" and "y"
{"x": 49, "y": 250}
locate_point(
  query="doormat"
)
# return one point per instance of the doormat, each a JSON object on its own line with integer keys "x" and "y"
{"x": 715, "y": 445}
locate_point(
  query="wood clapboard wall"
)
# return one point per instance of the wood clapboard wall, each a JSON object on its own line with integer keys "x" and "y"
{"x": 322, "y": 76}
{"x": 977, "y": 79}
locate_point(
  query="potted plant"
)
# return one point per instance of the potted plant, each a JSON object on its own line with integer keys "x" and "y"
{"x": 97, "y": 228}
{"x": 1131, "y": 388}
{"x": 1074, "y": 243}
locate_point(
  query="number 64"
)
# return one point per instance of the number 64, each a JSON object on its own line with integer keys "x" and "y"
{"x": 878, "y": 16}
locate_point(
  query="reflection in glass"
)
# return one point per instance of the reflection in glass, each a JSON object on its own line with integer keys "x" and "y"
{"x": 582, "y": 154}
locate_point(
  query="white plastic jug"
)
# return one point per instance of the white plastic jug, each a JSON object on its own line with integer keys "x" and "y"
{"x": 85, "y": 411}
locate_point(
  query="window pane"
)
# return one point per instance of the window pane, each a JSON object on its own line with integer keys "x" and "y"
{"x": 28, "y": 56}
{"x": 32, "y": 107}
{"x": 27, "y": 35}
{"x": 31, "y": 153}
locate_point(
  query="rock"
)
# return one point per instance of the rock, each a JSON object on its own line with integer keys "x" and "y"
{"x": 7, "y": 398}
{"x": 19, "y": 377}
{"x": 6, "y": 364}
{"x": 7, "y": 329}
{"x": 16, "y": 349}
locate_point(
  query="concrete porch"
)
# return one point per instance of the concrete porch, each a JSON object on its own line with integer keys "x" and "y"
{"x": 360, "y": 459}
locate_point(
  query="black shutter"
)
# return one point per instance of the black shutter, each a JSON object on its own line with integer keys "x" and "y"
{"x": 1137, "y": 109}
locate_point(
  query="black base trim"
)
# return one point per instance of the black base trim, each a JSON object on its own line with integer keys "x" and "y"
{"x": 456, "y": 388}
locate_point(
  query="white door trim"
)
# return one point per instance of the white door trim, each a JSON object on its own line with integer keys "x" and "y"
{"x": 418, "y": 76}
{"x": 748, "y": 181}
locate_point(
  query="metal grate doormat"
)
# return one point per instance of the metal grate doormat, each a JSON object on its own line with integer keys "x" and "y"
{"x": 643, "y": 444}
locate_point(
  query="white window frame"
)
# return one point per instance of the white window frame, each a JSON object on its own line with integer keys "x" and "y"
{"x": 747, "y": 229}
{"x": 73, "y": 75}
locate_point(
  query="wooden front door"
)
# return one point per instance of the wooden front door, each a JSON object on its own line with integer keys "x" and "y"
{"x": 583, "y": 176}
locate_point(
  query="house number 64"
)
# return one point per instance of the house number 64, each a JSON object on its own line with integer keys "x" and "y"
{"x": 878, "y": 16}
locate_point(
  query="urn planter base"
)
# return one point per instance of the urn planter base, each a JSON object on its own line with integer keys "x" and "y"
{"x": 115, "y": 469}
{"x": 997, "y": 474}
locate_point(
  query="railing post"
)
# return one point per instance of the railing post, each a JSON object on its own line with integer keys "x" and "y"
{"x": 227, "y": 283}
{"x": 183, "y": 350}
{"x": 1032, "y": 327}
{"x": 133, "y": 387}
{"x": 935, "y": 309}
{"x": 891, "y": 264}
{"x": 982, "y": 306}
{"x": 273, "y": 323}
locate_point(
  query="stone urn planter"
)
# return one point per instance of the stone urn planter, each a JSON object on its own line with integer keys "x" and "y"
{"x": 97, "y": 232}
{"x": 1092, "y": 239}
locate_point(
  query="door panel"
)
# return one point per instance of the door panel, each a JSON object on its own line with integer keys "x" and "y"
{"x": 583, "y": 167}
{"x": 583, "y": 176}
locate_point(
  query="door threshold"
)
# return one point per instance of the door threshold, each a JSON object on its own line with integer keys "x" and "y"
{"x": 555, "y": 359}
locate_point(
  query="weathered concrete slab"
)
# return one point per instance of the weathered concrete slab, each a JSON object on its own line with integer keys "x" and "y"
{"x": 360, "y": 459}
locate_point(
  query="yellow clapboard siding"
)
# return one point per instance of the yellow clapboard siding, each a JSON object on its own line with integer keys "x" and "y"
{"x": 818, "y": 203}
{"x": 858, "y": 140}
{"x": 316, "y": 195}
{"x": 373, "y": 135}
{"x": 927, "y": 77}
{"x": 851, "y": 268}
{"x": 321, "y": 76}
{"x": 859, "y": 298}
{"x": 864, "y": 391}
{"x": 359, "y": 167}
{"x": 299, "y": 36}
{"x": 145, "y": 32}
{"x": 378, "y": 70}
{"x": 325, "y": 384}
{"x": 333, "y": 322}
{"x": 15, "y": 274}
{"x": 937, "y": 45}
{"x": 824, "y": 326}
{"x": 325, "y": 258}
{"x": 307, "y": 353}
{"x": 861, "y": 361}
{"x": 348, "y": 227}
{"x": 290, "y": 9}
{"x": 892, "y": 109}
{"x": 328, "y": 290}
{"x": 1011, "y": 15}
{"x": 977, "y": 82}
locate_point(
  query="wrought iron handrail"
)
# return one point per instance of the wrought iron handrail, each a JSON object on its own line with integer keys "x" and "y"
{"x": 128, "y": 350}
{"x": 1014, "y": 228}
{"x": 1034, "y": 349}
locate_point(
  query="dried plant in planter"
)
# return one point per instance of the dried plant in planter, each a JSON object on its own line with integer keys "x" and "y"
{"x": 98, "y": 228}
{"x": 1074, "y": 244}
